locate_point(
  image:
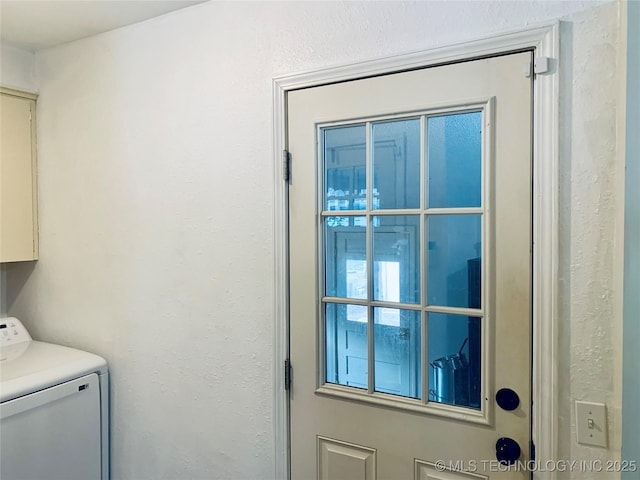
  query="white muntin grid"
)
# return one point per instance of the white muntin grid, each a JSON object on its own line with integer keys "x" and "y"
{"x": 369, "y": 395}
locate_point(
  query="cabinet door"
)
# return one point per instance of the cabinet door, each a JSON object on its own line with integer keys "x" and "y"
{"x": 18, "y": 213}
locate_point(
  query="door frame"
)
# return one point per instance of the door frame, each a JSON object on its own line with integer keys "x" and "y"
{"x": 544, "y": 39}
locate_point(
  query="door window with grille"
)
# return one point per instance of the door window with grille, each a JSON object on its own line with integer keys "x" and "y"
{"x": 401, "y": 255}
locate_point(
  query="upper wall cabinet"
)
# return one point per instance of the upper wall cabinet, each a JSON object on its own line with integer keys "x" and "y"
{"x": 18, "y": 192}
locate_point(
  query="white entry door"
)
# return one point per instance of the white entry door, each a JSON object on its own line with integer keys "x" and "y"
{"x": 410, "y": 274}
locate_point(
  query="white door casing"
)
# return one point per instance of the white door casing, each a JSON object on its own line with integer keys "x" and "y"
{"x": 544, "y": 41}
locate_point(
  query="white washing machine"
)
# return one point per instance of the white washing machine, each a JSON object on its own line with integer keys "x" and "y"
{"x": 54, "y": 409}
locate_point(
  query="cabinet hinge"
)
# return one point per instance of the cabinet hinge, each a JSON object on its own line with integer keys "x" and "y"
{"x": 286, "y": 165}
{"x": 287, "y": 374}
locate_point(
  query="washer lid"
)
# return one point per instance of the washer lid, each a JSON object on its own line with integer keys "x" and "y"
{"x": 31, "y": 366}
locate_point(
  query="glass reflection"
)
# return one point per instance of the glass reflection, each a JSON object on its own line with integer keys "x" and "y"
{"x": 454, "y": 152}
{"x": 396, "y": 258}
{"x": 454, "y": 359}
{"x": 345, "y": 167}
{"x": 397, "y": 351}
{"x": 345, "y": 257}
{"x": 454, "y": 260}
{"x": 346, "y": 345}
{"x": 396, "y": 164}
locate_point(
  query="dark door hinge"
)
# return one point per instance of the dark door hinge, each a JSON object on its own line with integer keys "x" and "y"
{"x": 532, "y": 451}
{"x": 287, "y": 375}
{"x": 286, "y": 165}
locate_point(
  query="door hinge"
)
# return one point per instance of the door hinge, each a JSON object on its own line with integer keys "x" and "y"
{"x": 532, "y": 451}
{"x": 286, "y": 165}
{"x": 287, "y": 374}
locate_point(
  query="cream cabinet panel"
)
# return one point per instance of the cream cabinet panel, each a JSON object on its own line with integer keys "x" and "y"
{"x": 18, "y": 200}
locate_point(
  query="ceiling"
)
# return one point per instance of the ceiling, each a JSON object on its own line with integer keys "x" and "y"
{"x": 37, "y": 24}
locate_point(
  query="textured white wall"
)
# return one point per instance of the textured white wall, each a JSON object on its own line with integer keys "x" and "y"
{"x": 17, "y": 68}
{"x": 591, "y": 215}
{"x": 156, "y": 205}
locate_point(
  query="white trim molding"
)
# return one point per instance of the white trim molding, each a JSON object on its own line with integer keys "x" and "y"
{"x": 544, "y": 40}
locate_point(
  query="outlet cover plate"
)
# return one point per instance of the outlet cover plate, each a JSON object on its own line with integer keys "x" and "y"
{"x": 591, "y": 423}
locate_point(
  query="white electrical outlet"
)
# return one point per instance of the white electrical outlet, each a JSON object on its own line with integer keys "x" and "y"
{"x": 591, "y": 423}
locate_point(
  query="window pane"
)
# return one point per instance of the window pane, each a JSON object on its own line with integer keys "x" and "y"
{"x": 454, "y": 150}
{"x": 396, "y": 164}
{"x": 346, "y": 257}
{"x": 454, "y": 359}
{"x": 346, "y": 345}
{"x": 397, "y": 351}
{"x": 345, "y": 168}
{"x": 454, "y": 251}
{"x": 396, "y": 258}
